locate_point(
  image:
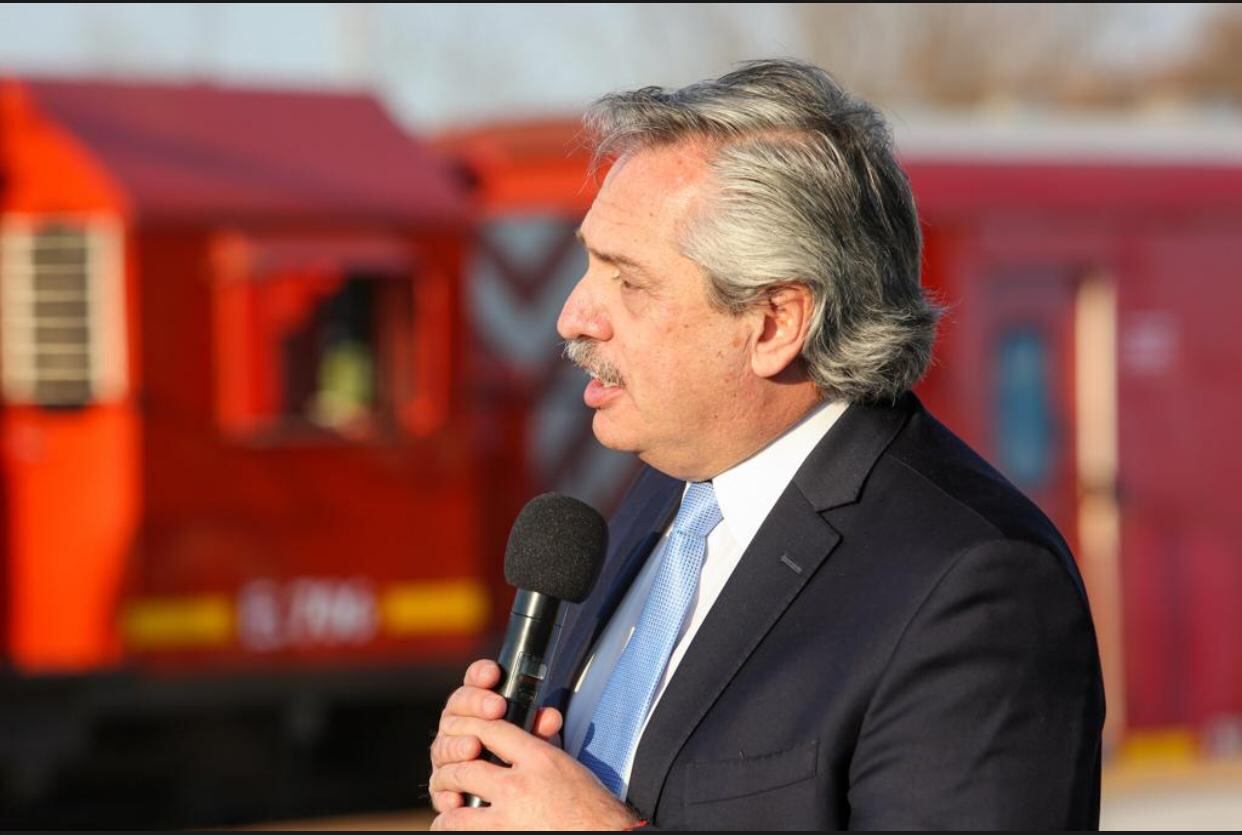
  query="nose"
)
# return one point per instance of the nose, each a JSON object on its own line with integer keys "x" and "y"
{"x": 583, "y": 314}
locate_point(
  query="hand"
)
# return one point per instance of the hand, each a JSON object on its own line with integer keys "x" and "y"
{"x": 544, "y": 788}
{"x": 476, "y": 699}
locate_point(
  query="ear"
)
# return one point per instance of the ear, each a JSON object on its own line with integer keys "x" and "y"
{"x": 786, "y": 318}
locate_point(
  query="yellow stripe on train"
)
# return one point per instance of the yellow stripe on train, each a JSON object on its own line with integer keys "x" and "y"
{"x": 426, "y": 608}
{"x": 178, "y": 622}
{"x": 210, "y": 621}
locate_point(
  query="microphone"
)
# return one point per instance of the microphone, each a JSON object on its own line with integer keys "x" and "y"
{"x": 555, "y": 553}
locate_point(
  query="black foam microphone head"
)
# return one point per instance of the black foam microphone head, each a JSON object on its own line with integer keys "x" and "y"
{"x": 556, "y": 547}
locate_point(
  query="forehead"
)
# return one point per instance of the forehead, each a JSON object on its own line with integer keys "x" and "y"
{"x": 646, "y": 198}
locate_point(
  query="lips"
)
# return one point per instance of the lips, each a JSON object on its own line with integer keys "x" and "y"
{"x": 599, "y": 394}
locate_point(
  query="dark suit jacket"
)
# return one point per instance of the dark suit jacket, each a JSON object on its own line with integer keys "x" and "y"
{"x": 905, "y": 644}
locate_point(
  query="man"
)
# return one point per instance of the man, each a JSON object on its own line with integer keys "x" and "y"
{"x": 819, "y": 609}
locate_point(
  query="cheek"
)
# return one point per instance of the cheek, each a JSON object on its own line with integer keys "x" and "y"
{"x": 697, "y": 360}
{"x": 729, "y": 352}
{"x": 713, "y": 368}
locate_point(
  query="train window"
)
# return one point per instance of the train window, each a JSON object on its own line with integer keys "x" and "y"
{"x": 1023, "y": 411}
{"x": 62, "y": 331}
{"x": 322, "y": 356}
{"x": 328, "y": 362}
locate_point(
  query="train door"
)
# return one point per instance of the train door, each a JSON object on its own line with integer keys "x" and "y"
{"x": 1043, "y": 387}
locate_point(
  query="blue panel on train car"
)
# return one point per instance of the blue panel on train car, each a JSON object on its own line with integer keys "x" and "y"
{"x": 1023, "y": 413}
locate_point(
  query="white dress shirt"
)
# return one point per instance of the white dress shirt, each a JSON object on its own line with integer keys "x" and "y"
{"x": 746, "y": 494}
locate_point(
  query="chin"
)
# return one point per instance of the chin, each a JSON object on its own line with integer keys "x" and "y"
{"x": 610, "y": 435}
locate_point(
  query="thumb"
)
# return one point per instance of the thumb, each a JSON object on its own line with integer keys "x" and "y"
{"x": 548, "y": 722}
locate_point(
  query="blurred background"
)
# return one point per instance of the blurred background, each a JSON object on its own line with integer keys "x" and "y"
{"x": 278, "y": 365}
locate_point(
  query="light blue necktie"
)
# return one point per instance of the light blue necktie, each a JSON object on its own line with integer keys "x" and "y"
{"x": 613, "y": 733}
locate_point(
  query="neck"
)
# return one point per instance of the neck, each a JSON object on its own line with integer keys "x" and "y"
{"x": 747, "y": 432}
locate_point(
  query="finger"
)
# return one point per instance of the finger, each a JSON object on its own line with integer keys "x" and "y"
{"x": 446, "y": 801}
{"x": 464, "y": 818}
{"x": 483, "y": 673}
{"x": 509, "y": 742}
{"x": 474, "y": 701}
{"x": 451, "y": 749}
{"x": 476, "y": 777}
{"x": 548, "y": 721}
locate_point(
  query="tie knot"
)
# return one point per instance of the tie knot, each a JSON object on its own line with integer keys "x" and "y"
{"x": 699, "y": 512}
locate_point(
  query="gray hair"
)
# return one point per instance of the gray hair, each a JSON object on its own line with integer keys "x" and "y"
{"x": 806, "y": 191}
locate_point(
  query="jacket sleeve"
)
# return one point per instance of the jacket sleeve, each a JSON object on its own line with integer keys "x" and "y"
{"x": 989, "y": 712}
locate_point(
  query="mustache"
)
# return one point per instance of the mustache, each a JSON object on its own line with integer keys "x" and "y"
{"x": 585, "y": 353}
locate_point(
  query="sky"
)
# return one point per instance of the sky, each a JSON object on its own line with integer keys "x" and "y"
{"x": 443, "y": 64}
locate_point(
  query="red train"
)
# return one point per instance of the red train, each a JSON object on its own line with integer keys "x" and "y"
{"x": 276, "y": 378}
{"x": 248, "y": 468}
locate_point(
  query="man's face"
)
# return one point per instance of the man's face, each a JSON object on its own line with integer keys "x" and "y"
{"x": 675, "y": 370}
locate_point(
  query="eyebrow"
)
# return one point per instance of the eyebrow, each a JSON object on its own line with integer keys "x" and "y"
{"x": 611, "y": 258}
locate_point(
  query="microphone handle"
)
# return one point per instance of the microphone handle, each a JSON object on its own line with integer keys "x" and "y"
{"x": 534, "y": 627}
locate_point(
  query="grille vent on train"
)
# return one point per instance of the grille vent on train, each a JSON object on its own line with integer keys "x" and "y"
{"x": 61, "y": 328}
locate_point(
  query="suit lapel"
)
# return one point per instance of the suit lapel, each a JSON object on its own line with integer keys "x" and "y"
{"x": 789, "y": 547}
{"x": 760, "y": 589}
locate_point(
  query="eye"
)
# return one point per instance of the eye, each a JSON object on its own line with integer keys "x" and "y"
{"x": 625, "y": 283}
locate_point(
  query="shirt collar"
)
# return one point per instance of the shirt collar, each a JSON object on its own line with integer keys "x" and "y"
{"x": 748, "y": 491}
